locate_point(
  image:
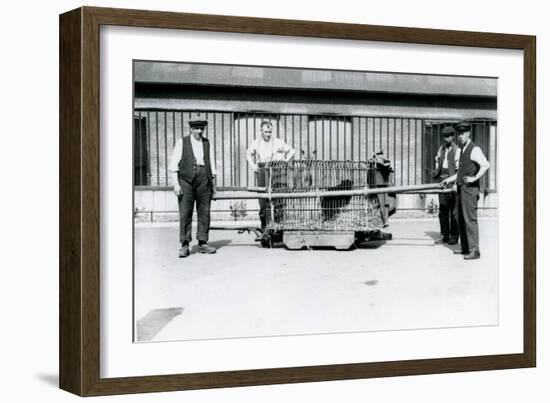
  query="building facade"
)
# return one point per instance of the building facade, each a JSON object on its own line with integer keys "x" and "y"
{"x": 327, "y": 115}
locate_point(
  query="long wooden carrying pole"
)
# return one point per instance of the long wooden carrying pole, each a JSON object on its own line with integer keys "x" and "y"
{"x": 336, "y": 193}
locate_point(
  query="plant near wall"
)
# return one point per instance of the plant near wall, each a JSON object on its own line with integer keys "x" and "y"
{"x": 238, "y": 209}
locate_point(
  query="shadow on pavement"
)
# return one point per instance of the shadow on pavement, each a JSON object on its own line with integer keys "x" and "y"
{"x": 152, "y": 323}
{"x": 435, "y": 235}
{"x": 371, "y": 244}
{"x": 216, "y": 244}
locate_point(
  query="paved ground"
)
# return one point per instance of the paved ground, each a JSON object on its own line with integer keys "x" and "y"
{"x": 245, "y": 290}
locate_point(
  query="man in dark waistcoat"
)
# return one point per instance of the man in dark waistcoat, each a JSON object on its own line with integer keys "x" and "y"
{"x": 472, "y": 166}
{"x": 446, "y": 163}
{"x": 194, "y": 181}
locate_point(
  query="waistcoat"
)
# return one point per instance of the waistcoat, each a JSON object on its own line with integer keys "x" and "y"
{"x": 467, "y": 167}
{"x": 451, "y": 164}
{"x": 187, "y": 164}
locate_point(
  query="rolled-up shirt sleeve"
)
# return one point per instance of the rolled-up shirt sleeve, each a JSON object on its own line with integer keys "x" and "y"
{"x": 437, "y": 162}
{"x": 479, "y": 158}
{"x": 176, "y": 156}
{"x": 252, "y": 152}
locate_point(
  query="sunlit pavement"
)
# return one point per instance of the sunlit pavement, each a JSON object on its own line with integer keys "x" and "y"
{"x": 245, "y": 290}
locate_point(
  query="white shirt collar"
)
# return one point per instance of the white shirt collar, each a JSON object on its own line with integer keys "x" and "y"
{"x": 195, "y": 140}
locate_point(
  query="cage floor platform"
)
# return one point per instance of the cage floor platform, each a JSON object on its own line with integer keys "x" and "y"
{"x": 340, "y": 240}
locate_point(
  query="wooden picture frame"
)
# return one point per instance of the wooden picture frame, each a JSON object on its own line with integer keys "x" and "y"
{"x": 79, "y": 201}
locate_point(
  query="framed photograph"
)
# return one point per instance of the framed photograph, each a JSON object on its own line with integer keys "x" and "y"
{"x": 248, "y": 201}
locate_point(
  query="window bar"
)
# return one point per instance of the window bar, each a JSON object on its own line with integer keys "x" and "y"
{"x": 374, "y": 135}
{"x": 174, "y": 127}
{"x": 345, "y": 140}
{"x": 140, "y": 152}
{"x": 253, "y": 138}
{"x": 223, "y": 154}
{"x": 394, "y": 145}
{"x": 380, "y": 134}
{"x": 149, "y": 174}
{"x": 292, "y": 121}
{"x": 284, "y": 127}
{"x": 322, "y": 137}
{"x": 301, "y": 140}
{"x": 408, "y": 151}
{"x": 182, "y": 129}
{"x": 401, "y": 145}
{"x": 387, "y": 153}
{"x": 238, "y": 153}
{"x": 232, "y": 124}
{"x": 165, "y": 150}
{"x": 246, "y": 144}
{"x": 157, "y": 146}
{"x": 213, "y": 142}
{"x": 423, "y": 144}
{"x": 330, "y": 140}
{"x": 351, "y": 139}
{"x": 415, "y": 151}
{"x": 431, "y": 149}
{"x": 360, "y": 136}
{"x": 366, "y": 138}
{"x": 308, "y": 134}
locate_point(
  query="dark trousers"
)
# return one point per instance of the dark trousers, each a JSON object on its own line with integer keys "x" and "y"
{"x": 199, "y": 190}
{"x": 467, "y": 198}
{"x": 264, "y": 203}
{"x": 448, "y": 221}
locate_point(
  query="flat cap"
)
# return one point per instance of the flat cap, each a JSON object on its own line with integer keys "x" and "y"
{"x": 198, "y": 119}
{"x": 462, "y": 126}
{"x": 448, "y": 131}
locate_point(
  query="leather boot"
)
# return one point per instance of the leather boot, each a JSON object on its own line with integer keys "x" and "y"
{"x": 183, "y": 251}
{"x": 205, "y": 248}
{"x": 472, "y": 255}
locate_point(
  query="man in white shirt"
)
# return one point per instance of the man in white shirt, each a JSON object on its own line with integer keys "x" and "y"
{"x": 264, "y": 149}
{"x": 193, "y": 170}
{"x": 472, "y": 167}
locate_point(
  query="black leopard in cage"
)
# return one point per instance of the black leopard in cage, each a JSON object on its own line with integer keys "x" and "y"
{"x": 332, "y": 205}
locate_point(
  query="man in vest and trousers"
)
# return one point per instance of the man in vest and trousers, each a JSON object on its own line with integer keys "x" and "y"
{"x": 446, "y": 164}
{"x": 193, "y": 170}
{"x": 472, "y": 166}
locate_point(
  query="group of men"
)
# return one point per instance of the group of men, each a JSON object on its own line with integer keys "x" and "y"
{"x": 458, "y": 167}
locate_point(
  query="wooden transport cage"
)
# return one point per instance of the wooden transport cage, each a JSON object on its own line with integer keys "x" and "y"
{"x": 320, "y": 203}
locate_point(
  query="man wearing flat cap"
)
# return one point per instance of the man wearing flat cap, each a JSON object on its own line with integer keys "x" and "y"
{"x": 446, "y": 164}
{"x": 193, "y": 170}
{"x": 472, "y": 166}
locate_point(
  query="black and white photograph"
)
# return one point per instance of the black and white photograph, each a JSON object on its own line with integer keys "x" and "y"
{"x": 241, "y": 201}
{"x": 277, "y": 201}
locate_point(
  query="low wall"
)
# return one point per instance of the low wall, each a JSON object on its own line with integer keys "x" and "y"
{"x": 161, "y": 205}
